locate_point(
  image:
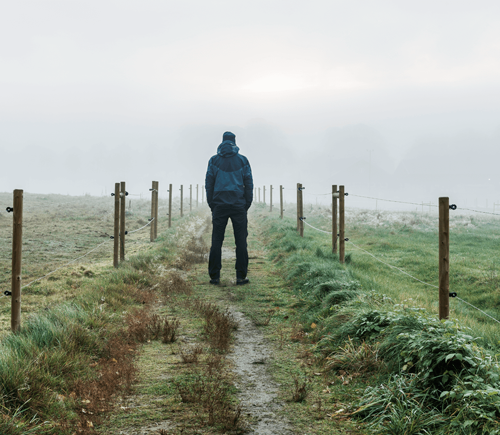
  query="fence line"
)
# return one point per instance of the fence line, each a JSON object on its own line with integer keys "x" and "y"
{"x": 76, "y": 259}
{"x": 402, "y": 271}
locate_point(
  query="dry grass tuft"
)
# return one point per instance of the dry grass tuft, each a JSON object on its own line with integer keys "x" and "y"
{"x": 175, "y": 284}
{"x": 190, "y": 357}
{"x": 218, "y": 324}
{"x": 353, "y": 358}
{"x": 300, "y": 391}
{"x": 169, "y": 330}
{"x": 116, "y": 372}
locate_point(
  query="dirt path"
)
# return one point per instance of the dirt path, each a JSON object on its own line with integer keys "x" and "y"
{"x": 147, "y": 411}
{"x": 257, "y": 391}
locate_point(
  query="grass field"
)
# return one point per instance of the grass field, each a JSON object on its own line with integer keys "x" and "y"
{"x": 58, "y": 229}
{"x": 361, "y": 337}
{"x": 409, "y": 241}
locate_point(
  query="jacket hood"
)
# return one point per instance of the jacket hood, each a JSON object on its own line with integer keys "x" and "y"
{"x": 227, "y": 149}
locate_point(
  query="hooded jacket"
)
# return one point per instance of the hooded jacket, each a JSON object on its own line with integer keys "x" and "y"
{"x": 229, "y": 178}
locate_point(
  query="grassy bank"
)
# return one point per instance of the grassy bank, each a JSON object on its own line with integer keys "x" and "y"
{"x": 75, "y": 352}
{"x": 427, "y": 376}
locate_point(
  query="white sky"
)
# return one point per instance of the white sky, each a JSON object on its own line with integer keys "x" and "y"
{"x": 81, "y": 74}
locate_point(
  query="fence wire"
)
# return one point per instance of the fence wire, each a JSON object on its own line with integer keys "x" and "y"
{"x": 406, "y": 273}
{"x": 80, "y": 257}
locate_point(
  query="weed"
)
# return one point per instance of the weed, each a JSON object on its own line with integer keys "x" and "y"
{"x": 218, "y": 324}
{"x": 174, "y": 284}
{"x": 170, "y": 330}
{"x": 190, "y": 357}
{"x": 355, "y": 358}
{"x": 155, "y": 327}
{"x": 262, "y": 320}
{"x": 300, "y": 390}
{"x": 138, "y": 325}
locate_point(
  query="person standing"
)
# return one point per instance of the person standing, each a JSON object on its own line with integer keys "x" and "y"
{"x": 229, "y": 189}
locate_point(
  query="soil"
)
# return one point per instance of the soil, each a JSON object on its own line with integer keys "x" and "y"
{"x": 257, "y": 391}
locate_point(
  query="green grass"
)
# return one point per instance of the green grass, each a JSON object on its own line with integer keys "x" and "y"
{"x": 410, "y": 242}
{"x": 364, "y": 303}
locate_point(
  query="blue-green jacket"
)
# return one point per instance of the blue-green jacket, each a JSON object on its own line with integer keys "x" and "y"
{"x": 229, "y": 178}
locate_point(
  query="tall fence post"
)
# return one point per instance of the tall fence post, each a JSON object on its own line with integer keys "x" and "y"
{"x": 197, "y": 196}
{"x": 335, "y": 233}
{"x": 271, "y": 198}
{"x": 153, "y": 210}
{"x": 169, "y": 205}
{"x": 116, "y": 232}
{"x": 341, "y": 225}
{"x": 444, "y": 258}
{"x": 123, "y": 194}
{"x": 155, "y": 222}
{"x": 264, "y": 194}
{"x": 190, "y": 198}
{"x": 300, "y": 210}
{"x": 182, "y": 199}
{"x": 298, "y": 206}
{"x": 259, "y": 194}
{"x": 301, "y": 223}
{"x": 17, "y": 246}
{"x": 281, "y": 201}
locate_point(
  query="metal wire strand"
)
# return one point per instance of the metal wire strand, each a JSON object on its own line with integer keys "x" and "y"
{"x": 317, "y": 229}
{"x": 84, "y": 255}
{"x": 64, "y": 265}
{"x": 478, "y": 309}
{"x": 394, "y": 267}
{"x": 138, "y": 229}
{"x": 392, "y": 200}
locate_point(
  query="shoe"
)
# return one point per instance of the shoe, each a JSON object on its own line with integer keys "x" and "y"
{"x": 215, "y": 281}
{"x": 242, "y": 281}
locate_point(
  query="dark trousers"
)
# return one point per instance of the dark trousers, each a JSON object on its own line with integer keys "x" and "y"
{"x": 220, "y": 215}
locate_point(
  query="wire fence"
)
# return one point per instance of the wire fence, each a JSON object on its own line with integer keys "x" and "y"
{"x": 78, "y": 258}
{"x": 397, "y": 268}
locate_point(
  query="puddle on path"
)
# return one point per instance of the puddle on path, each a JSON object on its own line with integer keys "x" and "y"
{"x": 257, "y": 391}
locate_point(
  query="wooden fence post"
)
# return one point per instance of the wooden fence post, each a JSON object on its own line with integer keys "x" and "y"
{"x": 444, "y": 258}
{"x": 300, "y": 210}
{"x": 122, "y": 220}
{"x": 169, "y": 205}
{"x": 264, "y": 194}
{"x": 155, "y": 222}
{"x": 259, "y": 194}
{"x": 182, "y": 199}
{"x": 17, "y": 246}
{"x": 153, "y": 210}
{"x": 335, "y": 236}
{"x": 190, "y": 198}
{"x": 341, "y": 225}
{"x": 271, "y": 198}
{"x": 116, "y": 232}
{"x": 298, "y": 207}
{"x": 281, "y": 201}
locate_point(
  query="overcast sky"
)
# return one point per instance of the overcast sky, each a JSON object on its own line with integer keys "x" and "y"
{"x": 82, "y": 80}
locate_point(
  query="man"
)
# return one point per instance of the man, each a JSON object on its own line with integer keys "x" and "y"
{"x": 229, "y": 187}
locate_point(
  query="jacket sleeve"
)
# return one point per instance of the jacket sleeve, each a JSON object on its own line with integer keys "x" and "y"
{"x": 248, "y": 182}
{"x": 210, "y": 183}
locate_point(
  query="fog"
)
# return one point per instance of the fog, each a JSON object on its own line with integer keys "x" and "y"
{"x": 396, "y": 100}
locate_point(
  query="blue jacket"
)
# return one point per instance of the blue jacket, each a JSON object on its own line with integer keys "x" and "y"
{"x": 229, "y": 178}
